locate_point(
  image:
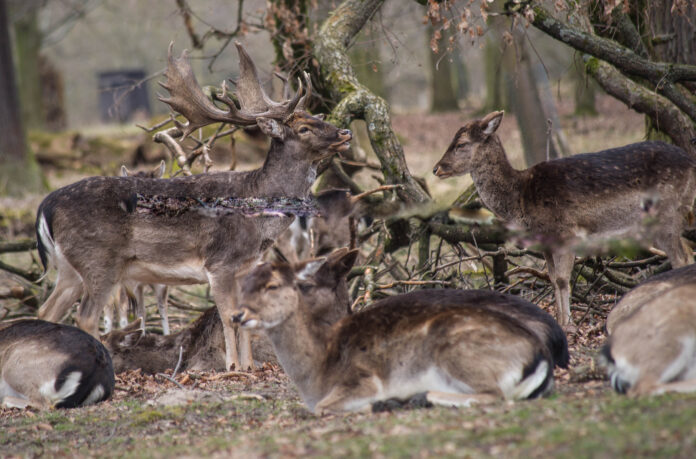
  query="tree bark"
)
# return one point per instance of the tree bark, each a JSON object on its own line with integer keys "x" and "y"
{"x": 28, "y": 46}
{"x": 18, "y": 170}
{"x": 443, "y": 97}
{"x": 355, "y": 100}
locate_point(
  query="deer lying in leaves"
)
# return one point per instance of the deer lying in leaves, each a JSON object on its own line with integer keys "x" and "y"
{"x": 97, "y": 237}
{"x": 592, "y": 194}
{"x": 48, "y": 365}
{"x": 458, "y": 346}
{"x": 652, "y": 336}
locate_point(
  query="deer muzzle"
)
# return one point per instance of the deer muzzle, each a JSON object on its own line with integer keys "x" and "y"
{"x": 344, "y": 136}
{"x": 440, "y": 172}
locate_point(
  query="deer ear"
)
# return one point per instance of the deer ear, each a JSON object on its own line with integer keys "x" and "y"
{"x": 491, "y": 122}
{"x": 321, "y": 116}
{"x": 159, "y": 170}
{"x": 124, "y": 171}
{"x": 272, "y": 128}
{"x": 342, "y": 261}
{"x": 309, "y": 268}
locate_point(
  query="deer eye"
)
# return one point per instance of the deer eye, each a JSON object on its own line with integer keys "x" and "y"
{"x": 303, "y": 129}
{"x": 462, "y": 144}
{"x": 272, "y": 287}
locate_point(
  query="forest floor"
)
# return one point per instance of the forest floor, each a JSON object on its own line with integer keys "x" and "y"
{"x": 259, "y": 414}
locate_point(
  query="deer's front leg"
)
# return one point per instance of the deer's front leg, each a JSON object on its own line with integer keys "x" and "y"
{"x": 224, "y": 293}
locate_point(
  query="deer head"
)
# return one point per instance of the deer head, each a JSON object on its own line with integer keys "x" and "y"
{"x": 318, "y": 283}
{"x": 157, "y": 172}
{"x": 284, "y": 122}
{"x": 466, "y": 144}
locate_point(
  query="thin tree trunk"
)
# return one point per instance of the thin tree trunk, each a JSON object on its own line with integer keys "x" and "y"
{"x": 28, "y": 46}
{"x": 443, "y": 96}
{"x": 18, "y": 170}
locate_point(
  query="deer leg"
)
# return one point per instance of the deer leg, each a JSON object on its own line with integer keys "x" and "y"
{"x": 67, "y": 291}
{"x": 98, "y": 290}
{"x": 458, "y": 400}
{"x": 162, "y": 292}
{"x": 122, "y": 307}
{"x": 223, "y": 289}
{"x": 560, "y": 265}
{"x": 676, "y": 248}
{"x": 245, "y": 357}
{"x": 140, "y": 302}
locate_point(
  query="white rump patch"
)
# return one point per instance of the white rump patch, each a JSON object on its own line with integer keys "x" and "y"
{"x": 47, "y": 240}
{"x": 94, "y": 396}
{"x": 625, "y": 371}
{"x": 529, "y": 384}
{"x": 69, "y": 387}
{"x": 684, "y": 366}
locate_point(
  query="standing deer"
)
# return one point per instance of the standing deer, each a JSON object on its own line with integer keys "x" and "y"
{"x": 652, "y": 336}
{"x": 593, "y": 194}
{"x": 397, "y": 349}
{"x": 135, "y": 292}
{"x": 96, "y": 238}
{"x": 47, "y": 365}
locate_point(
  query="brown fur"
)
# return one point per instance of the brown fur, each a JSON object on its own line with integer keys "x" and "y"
{"x": 38, "y": 360}
{"x": 325, "y": 293}
{"x": 392, "y": 350}
{"x": 103, "y": 242}
{"x": 594, "y": 194}
{"x": 652, "y": 343}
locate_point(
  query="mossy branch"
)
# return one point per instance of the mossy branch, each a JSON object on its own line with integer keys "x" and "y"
{"x": 355, "y": 101}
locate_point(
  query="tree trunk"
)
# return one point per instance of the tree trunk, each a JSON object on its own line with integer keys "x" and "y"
{"x": 28, "y": 46}
{"x": 525, "y": 95}
{"x": 18, "y": 170}
{"x": 443, "y": 96}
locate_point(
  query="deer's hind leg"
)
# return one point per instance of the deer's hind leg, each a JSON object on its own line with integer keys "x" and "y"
{"x": 66, "y": 292}
{"x": 676, "y": 248}
{"x": 99, "y": 286}
{"x": 560, "y": 266}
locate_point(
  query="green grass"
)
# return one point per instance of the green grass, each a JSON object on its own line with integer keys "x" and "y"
{"x": 605, "y": 425}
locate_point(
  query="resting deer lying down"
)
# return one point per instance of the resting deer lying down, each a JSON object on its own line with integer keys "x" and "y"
{"x": 46, "y": 365}
{"x": 135, "y": 291}
{"x": 458, "y": 355}
{"x": 593, "y": 194}
{"x": 652, "y": 342}
{"x": 325, "y": 293}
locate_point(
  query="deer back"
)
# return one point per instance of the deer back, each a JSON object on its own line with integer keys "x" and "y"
{"x": 53, "y": 365}
{"x": 654, "y": 342}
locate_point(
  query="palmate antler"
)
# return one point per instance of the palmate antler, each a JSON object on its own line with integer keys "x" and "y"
{"x": 187, "y": 97}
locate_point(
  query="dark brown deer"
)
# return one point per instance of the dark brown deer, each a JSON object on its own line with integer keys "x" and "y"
{"x": 458, "y": 352}
{"x": 652, "y": 336}
{"x": 48, "y": 365}
{"x": 565, "y": 200}
{"x": 325, "y": 293}
{"x": 96, "y": 238}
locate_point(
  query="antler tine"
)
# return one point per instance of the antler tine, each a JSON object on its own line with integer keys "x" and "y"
{"x": 286, "y": 87}
{"x": 187, "y": 97}
{"x": 302, "y": 104}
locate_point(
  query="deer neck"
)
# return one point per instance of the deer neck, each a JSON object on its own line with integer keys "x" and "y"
{"x": 300, "y": 349}
{"x": 284, "y": 173}
{"x": 497, "y": 182}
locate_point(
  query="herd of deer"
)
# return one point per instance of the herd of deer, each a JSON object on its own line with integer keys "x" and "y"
{"x": 455, "y": 346}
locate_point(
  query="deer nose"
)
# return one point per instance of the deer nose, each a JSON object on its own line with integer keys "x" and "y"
{"x": 237, "y": 318}
{"x": 436, "y": 168}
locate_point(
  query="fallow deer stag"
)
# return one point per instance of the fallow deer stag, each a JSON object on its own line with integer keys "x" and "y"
{"x": 98, "y": 237}
{"x": 652, "y": 341}
{"x": 458, "y": 355}
{"x": 593, "y": 194}
{"x": 48, "y": 365}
